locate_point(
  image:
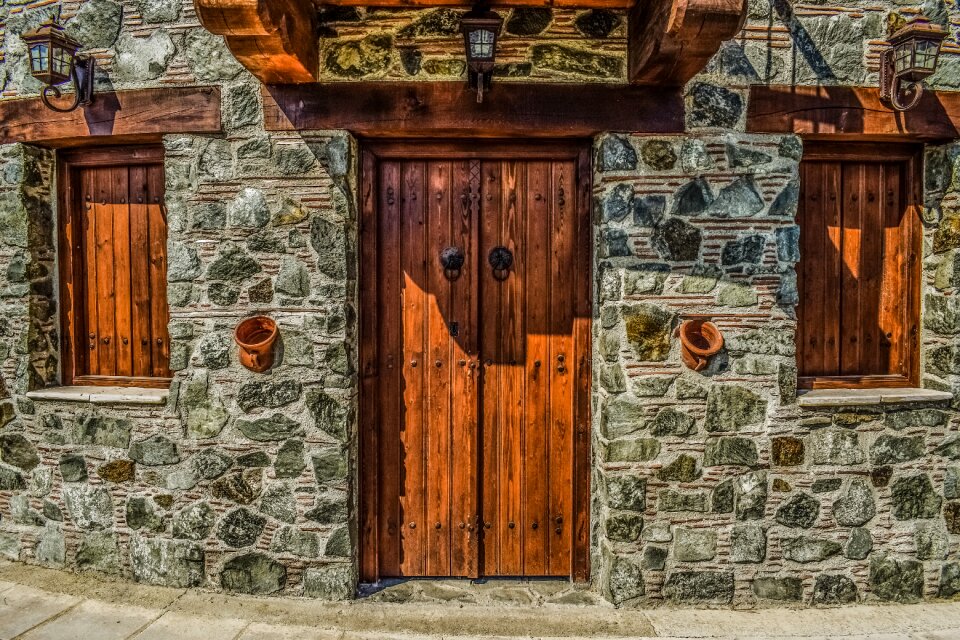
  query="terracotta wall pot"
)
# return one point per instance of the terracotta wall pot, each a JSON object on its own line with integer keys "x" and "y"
{"x": 256, "y": 337}
{"x": 700, "y": 340}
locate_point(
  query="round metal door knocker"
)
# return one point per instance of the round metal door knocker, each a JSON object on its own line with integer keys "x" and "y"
{"x": 500, "y": 259}
{"x": 452, "y": 260}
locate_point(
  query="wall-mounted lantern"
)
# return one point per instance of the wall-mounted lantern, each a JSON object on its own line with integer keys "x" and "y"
{"x": 911, "y": 57}
{"x": 480, "y": 28}
{"x": 54, "y": 61}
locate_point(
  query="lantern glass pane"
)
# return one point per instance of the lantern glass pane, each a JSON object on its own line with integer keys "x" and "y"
{"x": 61, "y": 62}
{"x": 903, "y": 57}
{"x": 927, "y": 51}
{"x": 39, "y": 60}
{"x": 481, "y": 44}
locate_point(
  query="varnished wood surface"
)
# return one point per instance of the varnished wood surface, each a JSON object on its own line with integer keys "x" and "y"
{"x": 851, "y": 113}
{"x": 113, "y": 268}
{"x": 125, "y": 117}
{"x": 857, "y": 322}
{"x": 474, "y": 434}
{"x": 450, "y": 109}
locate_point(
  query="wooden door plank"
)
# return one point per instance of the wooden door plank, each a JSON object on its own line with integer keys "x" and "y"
{"x": 853, "y": 218}
{"x": 583, "y": 318}
{"x": 871, "y": 272}
{"x": 413, "y": 453}
{"x": 438, "y": 371}
{"x": 159, "y": 312}
{"x": 104, "y": 256}
{"x": 511, "y": 391}
{"x": 140, "y": 272}
{"x": 369, "y": 460}
{"x": 892, "y": 319}
{"x": 490, "y": 353}
{"x": 391, "y": 358}
{"x": 91, "y": 340}
{"x": 536, "y": 364}
{"x": 465, "y": 488}
{"x": 120, "y": 182}
{"x": 563, "y": 228}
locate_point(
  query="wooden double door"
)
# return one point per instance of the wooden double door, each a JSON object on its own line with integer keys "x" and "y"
{"x": 475, "y": 331}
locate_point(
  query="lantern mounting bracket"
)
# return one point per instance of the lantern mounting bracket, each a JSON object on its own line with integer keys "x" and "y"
{"x": 82, "y": 74}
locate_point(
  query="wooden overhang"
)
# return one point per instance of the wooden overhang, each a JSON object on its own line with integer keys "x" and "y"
{"x": 851, "y": 113}
{"x": 124, "y": 117}
{"x": 670, "y": 41}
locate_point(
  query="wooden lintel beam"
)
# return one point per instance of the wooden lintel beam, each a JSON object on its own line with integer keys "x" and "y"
{"x": 467, "y": 4}
{"x": 670, "y": 41}
{"x": 510, "y": 109}
{"x": 276, "y": 40}
{"x": 137, "y": 116}
{"x": 852, "y": 112}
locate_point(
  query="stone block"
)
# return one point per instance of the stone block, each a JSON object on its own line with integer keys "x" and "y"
{"x": 172, "y": 563}
{"x": 694, "y": 545}
{"x": 693, "y": 587}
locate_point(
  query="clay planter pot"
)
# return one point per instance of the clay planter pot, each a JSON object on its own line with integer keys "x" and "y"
{"x": 700, "y": 340}
{"x": 256, "y": 337}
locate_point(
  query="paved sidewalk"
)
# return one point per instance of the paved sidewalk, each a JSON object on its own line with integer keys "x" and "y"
{"x": 43, "y": 604}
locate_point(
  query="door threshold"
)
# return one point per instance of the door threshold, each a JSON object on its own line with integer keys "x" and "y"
{"x": 481, "y": 591}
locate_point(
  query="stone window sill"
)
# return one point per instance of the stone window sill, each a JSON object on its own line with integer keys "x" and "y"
{"x": 102, "y": 395}
{"x": 861, "y": 397}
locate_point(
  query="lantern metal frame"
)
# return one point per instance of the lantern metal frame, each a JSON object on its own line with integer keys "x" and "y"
{"x": 911, "y": 56}
{"x": 54, "y": 61}
{"x": 480, "y": 23}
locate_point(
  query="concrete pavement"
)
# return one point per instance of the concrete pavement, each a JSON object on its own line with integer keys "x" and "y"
{"x": 44, "y": 604}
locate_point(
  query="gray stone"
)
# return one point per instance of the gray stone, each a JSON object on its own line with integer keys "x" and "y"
{"x": 52, "y": 547}
{"x": 730, "y": 451}
{"x": 648, "y": 210}
{"x": 683, "y": 469}
{"x": 436, "y": 22}
{"x": 658, "y": 154}
{"x": 745, "y": 250}
{"x": 616, "y": 153}
{"x": 739, "y": 199}
{"x": 626, "y": 492}
{"x": 279, "y": 502}
{"x": 949, "y": 580}
{"x": 896, "y": 580}
{"x": 597, "y": 23}
{"x": 140, "y": 514}
{"x": 731, "y": 408}
{"x": 932, "y": 541}
{"x": 694, "y": 545}
{"x": 183, "y": 263}
{"x": 249, "y": 209}
{"x": 748, "y": 543}
{"x": 836, "y": 447}
{"x": 330, "y": 582}
{"x": 891, "y": 450}
{"x": 11, "y": 480}
{"x": 224, "y": 295}
{"x": 330, "y": 414}
{"x": 99, "y": 551}
{"x": 233, "y": 265}
{"x": 914, "y": 497}
{"x": 242, "y": 106}
{"x": 194, "y": 522}
{"x": 156, "y": 450}
{"x": 782, "y": 589}
{"x": 17, "y": 451}
{"x": 670, "y": 422}
{"x": 172, "y": 563}
{"x": 803, "y": 549}
{"x": 289, "y": 462}
{"x": 577, "y": 62}
{"x": 355, "y": 59}
{"x": 751, "y": 495}
{"x": 856, "y": 506}
{"x": 677, "y": 240}
{"x": 926, "y": 418}
{"x": 90, "y": 507}
{"x": 97, "y": 24}
{"x": 254, "y": 574}
{"x": 670, "y": 501}
{"x": 338, "y": 544}
{"x": 141, "y": 59}
{"x": 625, "y": 581}
{"x": 209, "y": 57}
{"x": 22, "y": 513}
{"x": 293, "y": 279}
{"x": 617, "y": 204}
{"x": 834, "y": 589}
{"x": 736, "y": 295}
{"x": 942, "y": 314}
{"x": 269, "y": 394}
{"x": 951, "y": 483}
{"x": 702, "y": 279}
{"x": 699, "y": 587}
{"x": 654, "y": 558}
{"x": 624, "y": 527}
{"x": 273, "y": 427}
{"x": 214, "y": 350}
{"x": 160, "y": 10}
{"x": 740, "y": 156}
{"x": 649, "y": 331}
{"x": 950, "y": 448}
{"x": 253, "y": 459}
{"x": 294, "y": 159}
{"x": 211, "y": 463}
{"x": 330, "y": 508}
{"x": 692, "y": 198}
{"x": 10, "y": 546}
{"x": 241, "y": 528}
{"x": 242, "y": 487}
{"x": 722, "y": 497}
{"x": 330, "y": 466}
{"x": 801, "y": 510}
{"x": 633, "y": 450}
{"x": 712, "y": 106}
{"x": 292, "y": 540}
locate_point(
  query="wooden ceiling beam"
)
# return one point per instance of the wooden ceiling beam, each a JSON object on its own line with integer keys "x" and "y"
{"x": 672, "y": 40}
{"x": 275, "y": 39}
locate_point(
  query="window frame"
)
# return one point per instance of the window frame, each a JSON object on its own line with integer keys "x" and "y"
{"x": 71, "y": 285}
{"x": 911, "y": 156}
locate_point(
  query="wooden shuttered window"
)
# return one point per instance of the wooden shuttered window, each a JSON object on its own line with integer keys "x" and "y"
{"x": 113, "y": 259}
{"x": 859, "y": 270}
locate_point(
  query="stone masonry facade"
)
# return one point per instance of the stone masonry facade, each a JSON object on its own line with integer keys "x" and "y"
{"x": 710, "y": 488}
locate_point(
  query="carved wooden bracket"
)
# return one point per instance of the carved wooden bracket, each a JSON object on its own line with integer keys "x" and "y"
{"x": 672, "y": 40}
{"x": 275, "y": 39}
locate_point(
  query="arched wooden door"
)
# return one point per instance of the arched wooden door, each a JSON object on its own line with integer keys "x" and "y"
{"x": 475, "y": 349}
